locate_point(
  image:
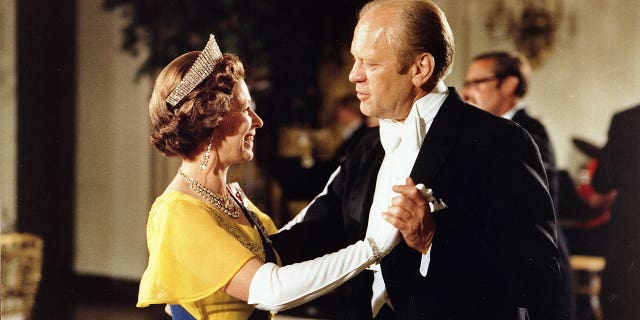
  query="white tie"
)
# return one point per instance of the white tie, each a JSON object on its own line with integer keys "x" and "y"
{"x": 394, "y": 134}
{"x": 390, "y": 135}
{"x": 401, "y": 145}
{"x": 401, "y": 142}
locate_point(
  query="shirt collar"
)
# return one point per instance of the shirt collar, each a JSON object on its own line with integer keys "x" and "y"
{"x": 411, "y": 133}
{"x": 512, "y": 112}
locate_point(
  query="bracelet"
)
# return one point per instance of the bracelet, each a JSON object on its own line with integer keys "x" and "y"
{"x": 377, "y": 257}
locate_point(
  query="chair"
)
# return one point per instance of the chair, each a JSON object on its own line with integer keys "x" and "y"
{"x": 587, "y": 273}
{"x": 21, "y": 271}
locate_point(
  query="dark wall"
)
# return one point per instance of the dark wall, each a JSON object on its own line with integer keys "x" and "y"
{"x": 46, "y": 48}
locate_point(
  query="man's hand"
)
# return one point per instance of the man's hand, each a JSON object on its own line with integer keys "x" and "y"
{"x": 410, "y": 213}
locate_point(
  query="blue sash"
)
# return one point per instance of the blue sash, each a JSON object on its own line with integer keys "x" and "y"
{"x": 179, "y": 313}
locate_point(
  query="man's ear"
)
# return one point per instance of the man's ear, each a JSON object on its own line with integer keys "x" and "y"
{"x": 423, "y": 70}
{"x": 509, "y": 85}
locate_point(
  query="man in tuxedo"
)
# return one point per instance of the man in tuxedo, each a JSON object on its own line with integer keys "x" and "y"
{"x": 496, "y": 82}
{"x": 485, "y": 248}
{"x": 618, "y": 170}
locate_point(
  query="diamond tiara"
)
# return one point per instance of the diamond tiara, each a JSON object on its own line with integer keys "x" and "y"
{"x": 200, "y": 69}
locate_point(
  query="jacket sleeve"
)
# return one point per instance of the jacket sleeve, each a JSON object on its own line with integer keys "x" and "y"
{"x": 522, "y": 226}
{"x": 334, "y": 218}
{"x": 605, "y": 178}
{"x": 317, "y": 229}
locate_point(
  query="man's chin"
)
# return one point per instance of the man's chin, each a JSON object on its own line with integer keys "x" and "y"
{"x": 366, "y": 109}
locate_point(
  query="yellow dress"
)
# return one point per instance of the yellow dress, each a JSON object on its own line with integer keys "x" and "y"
{"x": 194, "y": 250}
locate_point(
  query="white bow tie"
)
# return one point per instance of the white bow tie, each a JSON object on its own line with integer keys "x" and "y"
{"x": 395, "y": 134}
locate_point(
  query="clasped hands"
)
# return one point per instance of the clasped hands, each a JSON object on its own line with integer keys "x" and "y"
{"x": 410, "y": 213}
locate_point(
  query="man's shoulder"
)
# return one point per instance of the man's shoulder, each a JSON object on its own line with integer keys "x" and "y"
{"x": 481, "y": 122}
{"x": 367, "y": 137}
{"x": 363, "y": 145}
{"x": 524, "y": 119}
{"x": 533, "y": 127}
{"x": 467, "y": 117}
{"x": 630, "y": 115}
{"x": 492, "y": 133}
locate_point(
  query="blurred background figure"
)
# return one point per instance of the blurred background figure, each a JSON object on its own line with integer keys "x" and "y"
{"x": 584, "y": 213}
{"x": 496, "y": 82}
{"x": 618, "y": 170}
{"x": 351, "y": 123}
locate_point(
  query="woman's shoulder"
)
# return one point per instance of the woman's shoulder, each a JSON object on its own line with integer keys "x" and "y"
{"x": 175, "y": 198}
{"x": 177, "y": 202}
{"x": 181, "y": 213}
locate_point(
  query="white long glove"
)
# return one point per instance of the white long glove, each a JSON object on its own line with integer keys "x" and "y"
{"x": 276, "y": 288}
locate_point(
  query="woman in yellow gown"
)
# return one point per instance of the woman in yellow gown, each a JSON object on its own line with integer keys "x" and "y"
{"x": 209, "y": 252}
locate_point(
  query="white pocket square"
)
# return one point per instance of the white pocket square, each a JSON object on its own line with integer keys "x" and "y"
{"x": 435, "y": 204}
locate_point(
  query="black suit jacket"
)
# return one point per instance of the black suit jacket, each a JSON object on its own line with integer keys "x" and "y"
{"x": 539, "y": 134}
{"x": 619, "y": 168}
{"x": 556, "y": 180}
{"x": 341, "y": 152}
{"x": 494, "y": 252}
{"x": 619, "y": 161}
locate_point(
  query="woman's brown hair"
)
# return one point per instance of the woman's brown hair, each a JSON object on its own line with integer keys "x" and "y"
{"x": 183, "y": 129}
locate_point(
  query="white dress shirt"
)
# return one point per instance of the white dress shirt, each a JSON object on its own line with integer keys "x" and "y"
{"x": 401, "y": 141}
{"x": 512, "y": 112}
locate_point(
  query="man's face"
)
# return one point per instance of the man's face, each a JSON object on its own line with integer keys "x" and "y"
{"x": 383, "y": 92}
{"x": 482, "y": 88}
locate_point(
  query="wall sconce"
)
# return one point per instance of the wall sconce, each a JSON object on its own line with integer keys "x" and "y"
{"x": 532, "y": 25}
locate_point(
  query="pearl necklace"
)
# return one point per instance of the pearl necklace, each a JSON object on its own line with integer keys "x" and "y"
{"x": 226, "y": 204}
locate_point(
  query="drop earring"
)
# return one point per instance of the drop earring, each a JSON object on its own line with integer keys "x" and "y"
{"x": 205, "y": 157}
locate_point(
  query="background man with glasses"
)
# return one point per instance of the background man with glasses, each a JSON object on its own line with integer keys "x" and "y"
{"x": 497, "y": 82}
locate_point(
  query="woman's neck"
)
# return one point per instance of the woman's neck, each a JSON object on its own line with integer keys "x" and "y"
{"x": 213, "y": 177}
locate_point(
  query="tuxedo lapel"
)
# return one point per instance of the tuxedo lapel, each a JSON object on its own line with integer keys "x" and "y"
{"x": 361, "y": 193}
{"x": 439, "y": 140}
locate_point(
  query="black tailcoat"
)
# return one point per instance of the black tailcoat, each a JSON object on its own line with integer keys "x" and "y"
{"x": 494, "y": 253}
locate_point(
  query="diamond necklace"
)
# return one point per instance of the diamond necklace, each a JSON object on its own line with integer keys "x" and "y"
{"x": 226, "y": 204}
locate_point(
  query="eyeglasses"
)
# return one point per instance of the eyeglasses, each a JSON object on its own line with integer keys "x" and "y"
{"x": 476, "y": 82}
